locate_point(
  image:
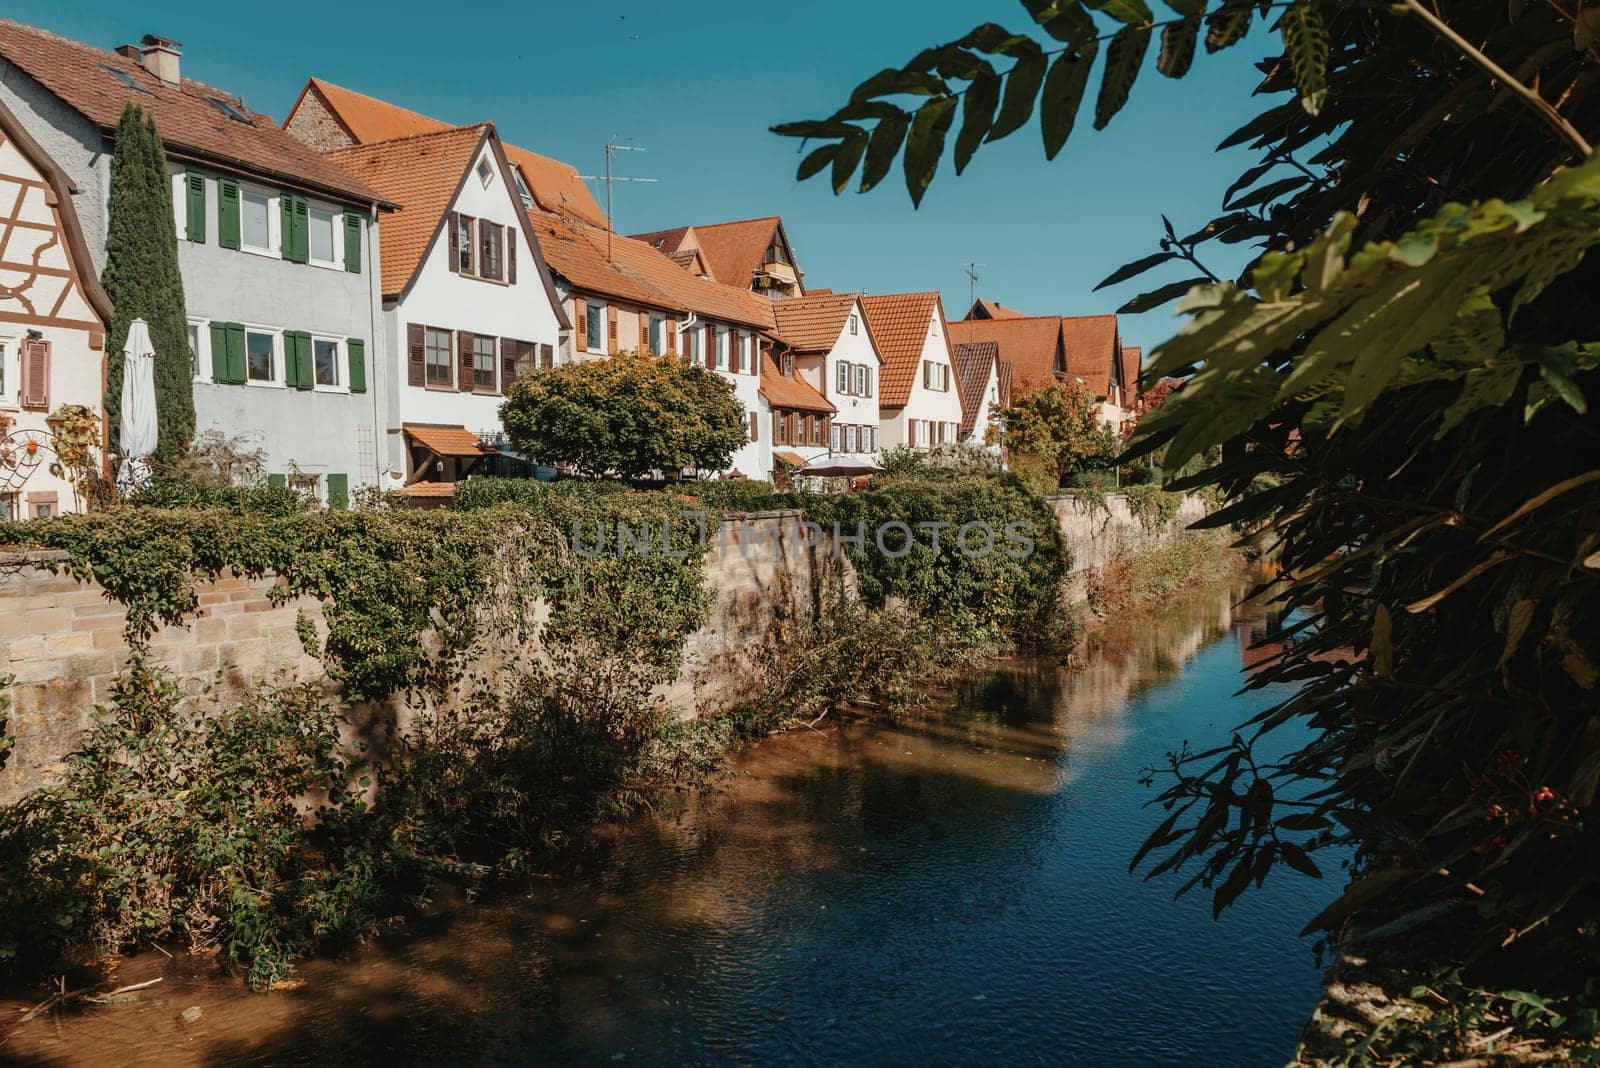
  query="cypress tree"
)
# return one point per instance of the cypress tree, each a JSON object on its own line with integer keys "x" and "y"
{"x": 141, "y": 277}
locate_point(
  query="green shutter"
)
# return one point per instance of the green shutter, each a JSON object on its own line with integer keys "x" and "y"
{"x": 196, "y": 211}
{"x": 278, "y": 481}
{"x": 357, "y": 351}
{"x": 227, "y": 213}
{"x": 297, "y": 370}
{"x": 308, "y": 371}
{"x": 300, "y": 244}
{"x": 338, "y": 491}
{"x": 219, "y": 352}
{"x": 286, "y": 226}
{"x": 236, "y": 362}
{"x": 352, "y": 242}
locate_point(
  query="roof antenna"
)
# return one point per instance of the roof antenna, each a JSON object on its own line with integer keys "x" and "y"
{"x": 972, "y": 282}
{"x": 612, "y": 148}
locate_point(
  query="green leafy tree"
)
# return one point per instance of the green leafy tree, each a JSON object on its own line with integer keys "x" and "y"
{"x": 626, "y": 417}
{"x": 1396, "y": 392}
{"x": 1058, "y": 428}
{"x": 141, "y": 277}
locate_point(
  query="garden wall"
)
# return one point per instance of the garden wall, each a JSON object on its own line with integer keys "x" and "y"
{"x": 62, "y": 642}
{"x": 1097, "y": 529}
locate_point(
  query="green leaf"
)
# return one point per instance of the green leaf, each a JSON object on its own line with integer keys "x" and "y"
{"x": 1305, "y": 41}
{"x": 1130, "y": 12}
{"x": 1063, "y": 93}
{"x": 996, "y": 39}
{"x": 817, "y": 160}
{"x": 1177, "y": 48}
{"x": 1137, "y": 267}
{"x": 846, "y": 159}
{"x": 1156, "y": 297}
{"x": 1187, "y": 7}
{"x": 925, "y": 144}
{"x": 977, "y": 117}
{"x": 1123, "y": 60}
{"x": 1298, "y": 859}
{"x": 1065, "y": 20}
{"x": 1232, "y": 887}
{"x": 882, "y": 147}
{"x": 1022, "y": 86}
{"x": 1227, "y": 26}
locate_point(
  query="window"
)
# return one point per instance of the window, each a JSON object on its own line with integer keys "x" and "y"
{"x": 464, "y": 257}
{"x": 436, "y": 357}
{"x": 850, "y": 439}
{"x": 935, "y": 376}
{"x": 324, "y": 227}
{"x": 522, "y": 188}
{"x": 489, "y": 262}
{"x": 861, "y": 389}
{"x": 260, "y": 350}
{"x": 855, "y": 324}
{"x": 485, "y": 172}
{"x": 691, "y": 345}
{"x": 779, "y": 434}
{"x": 833, "y": 438}
{"x": 596, "y": 338}
{"x": 8, "y": 507}
{"x": 125, "y": 78}
{"x": 6, "y": 378}
{"x": 844, "y": 380}
{"x": 483, "y": 363}
{"x": 817, "y": 429}
{"x": 325, "y": 361}
{"x": 228, "y": 108}
{"x": 657, "y": 344}
{"x": 788, "y": 365}
{"x": 256, "y": 220}
{"x": 872, "y": 439}
{"x": 722, "y": 349}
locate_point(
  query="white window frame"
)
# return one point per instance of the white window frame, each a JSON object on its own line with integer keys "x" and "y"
{"x": 340, "y": 365}
{"x": 836, "y": 437}
{"x": 842, "y": 379}
{"x": 180, "y": 203}
{"x": 657, "y": 338}
{"x": 276, "y": 334}
{"x": 336, "y": 228}
{"x": 603, "y": 330}
{"x": 722, "y": 348}
{"x": 274, "y": 249}
{"x": 202, "y": 349}
{"x": 860, "y": 387}
{"x": 855, "y": 323}
{"x": 485, "y": 170}
{"x": 10, "y": 372}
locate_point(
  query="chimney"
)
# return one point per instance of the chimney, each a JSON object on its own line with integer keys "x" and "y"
{"x": 160, "y": 57}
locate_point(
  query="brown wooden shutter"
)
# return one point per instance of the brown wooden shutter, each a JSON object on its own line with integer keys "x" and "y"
{"x": 671, "y": 328}
{"x": 416, "y": 355}
{"x": 464, "y": 361}
{"x": 611, "y": 328}
{"x": 644, "y": 334}
{"x": 547, "y": 356}
{"x": 755, "y": 426}
{"x": 510, "y": 353}
{"x": 35, "y": 374}
{"x": 580, "y": 341}
{"x": 710, "y": 359}
{"x": 452, "y": 223}
{"x": 511, "y": 254}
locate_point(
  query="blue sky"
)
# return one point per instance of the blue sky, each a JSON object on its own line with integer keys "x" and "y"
{"x": 697, "y": 84}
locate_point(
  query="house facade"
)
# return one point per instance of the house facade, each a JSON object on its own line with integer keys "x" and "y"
{"x": 277, "y": 248}
{"x": 468, "y": 302}
{"x": 53, "y": 317}
{"x": 1045, "y": 349}
{"x": 978, "y": 375}
{"x": 920, "y": 402}
{"x": 826, "y": 342}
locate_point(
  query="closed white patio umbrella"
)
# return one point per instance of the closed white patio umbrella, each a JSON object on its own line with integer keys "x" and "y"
{"x": 139, "y": 431}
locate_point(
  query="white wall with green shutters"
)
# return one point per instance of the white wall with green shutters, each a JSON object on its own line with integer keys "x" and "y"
{"x": 303, "y": 294}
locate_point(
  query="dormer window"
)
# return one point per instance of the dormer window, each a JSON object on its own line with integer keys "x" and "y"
{"x": 788, "y": 365}
{"x": 227, "y": 108}
{"x": 522, "y": 189}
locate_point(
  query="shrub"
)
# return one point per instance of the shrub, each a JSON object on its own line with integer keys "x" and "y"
{"x": 257, "y": 500}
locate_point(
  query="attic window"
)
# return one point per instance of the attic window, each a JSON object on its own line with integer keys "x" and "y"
{"x": 126, "y": 79}
{"x": 522, "y": 189}
{"x": 228, "y": 108}
{"x": 485, "y": 173}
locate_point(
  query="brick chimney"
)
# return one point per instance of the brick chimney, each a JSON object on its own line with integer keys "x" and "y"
{"x": 159, "y": 55}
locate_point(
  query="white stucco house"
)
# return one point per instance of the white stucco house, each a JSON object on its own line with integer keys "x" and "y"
{"x": 978, "y": 374}
{"x": 919, "y": 403}
{"x": 467, "y": 298}
{"x": 276, "y": 247}
{"x": 826, "y": 341}
{"x": 53, "y": 317}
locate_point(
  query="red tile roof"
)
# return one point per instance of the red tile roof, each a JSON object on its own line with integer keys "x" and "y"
{"x": 988, "y": 309}
{"x": 813, "y": 323}
{"x": 733, "y": 251}
{"x": 1093, "y": 348}
{"x": 975, "y": 362}
{"x": 899, "y": 324}
{"x": 447, "y": 440}
{"x": 192, "y": 119}
{"x": 791, "y": 393}
{"x": 1132, "y": 361}
{"x": 555, "y": 185}
{"x": 422, "y": 172}
{"x": 1031, "y": 345}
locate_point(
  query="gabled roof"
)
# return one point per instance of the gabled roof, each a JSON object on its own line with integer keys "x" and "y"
{"x": 637, "y": 272}
{"x": 1031, "y": 345}
{"x": 989, "y": 309}
{"x": 193, "y": 119}
{"x": 899, "y": 323}
{"x": 424, "y": 173}
{"x": 555, "y": 185}
{"x": 975, "y": 362}
{"x": 792, "y": 393}
{"x": 733, "y": 250}
{"x": 1132, "y": 361}
{"x": 1006, "y": 374}
{"x": 813, "y": 323}
{"x": 1093, "y": 347}
{"x": 59, "y": 197}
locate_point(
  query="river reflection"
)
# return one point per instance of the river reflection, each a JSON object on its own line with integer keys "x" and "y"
{"x": 948, "y": 889}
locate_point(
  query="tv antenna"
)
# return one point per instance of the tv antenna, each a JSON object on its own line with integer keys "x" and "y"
{"x": 971, "y": 272}
{"x": 612, "y": 148}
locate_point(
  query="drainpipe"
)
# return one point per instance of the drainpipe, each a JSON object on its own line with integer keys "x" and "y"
{"x": 380, "y": 433}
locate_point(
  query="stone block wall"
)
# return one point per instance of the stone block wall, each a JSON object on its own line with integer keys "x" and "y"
{"x": 1095, "y": 535}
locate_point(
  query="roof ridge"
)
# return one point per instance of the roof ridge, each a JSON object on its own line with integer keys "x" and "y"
{"x": 463, "y": 128}
{"x": 112, "y": 53}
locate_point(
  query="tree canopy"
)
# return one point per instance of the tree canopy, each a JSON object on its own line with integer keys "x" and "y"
{"x": 1409, "y": 360}
{"x": 1059, "y": 427}
{"x": 626, "y": 416}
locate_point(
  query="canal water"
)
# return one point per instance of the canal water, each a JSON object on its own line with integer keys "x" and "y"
{"x": 950, "y": 889}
